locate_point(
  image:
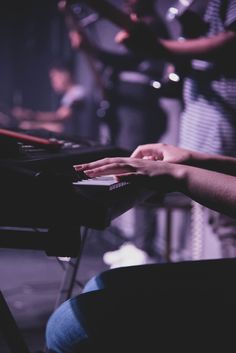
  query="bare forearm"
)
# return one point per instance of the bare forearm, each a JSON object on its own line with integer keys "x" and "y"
{"x": 45, "y": 116}
{"x": 201, "y": 47}
{"x": 213, "y": 190}
{"x": 177, "y": 155}
{"x": 60, "y": 114}
{"x": 214, "y": 162}
{"x": 31, "y": 115}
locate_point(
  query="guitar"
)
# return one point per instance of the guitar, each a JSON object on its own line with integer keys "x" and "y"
{"x": 186, "y": 12}
{"x": 108, "y": 11}
{"x": 189, "y": 14}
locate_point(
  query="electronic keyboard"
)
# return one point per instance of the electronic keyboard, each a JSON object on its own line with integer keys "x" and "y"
{"x": 41, "y": 193}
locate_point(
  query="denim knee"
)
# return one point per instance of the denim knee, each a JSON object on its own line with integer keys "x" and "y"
{"x": 95, "y": 283}
{"x": 64, "y": 330}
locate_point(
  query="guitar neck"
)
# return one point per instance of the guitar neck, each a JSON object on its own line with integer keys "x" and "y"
{"x": 111, "y": 12}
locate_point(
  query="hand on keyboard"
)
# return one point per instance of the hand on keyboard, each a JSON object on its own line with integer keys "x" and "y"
{"x": 81, "y": 175}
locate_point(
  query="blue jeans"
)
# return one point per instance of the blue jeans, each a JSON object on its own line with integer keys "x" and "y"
{"x": 65, "y": 330}
{"x": 167, "y": 306}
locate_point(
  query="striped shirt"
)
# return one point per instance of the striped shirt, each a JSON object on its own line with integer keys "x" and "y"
{"x": 208, "y": 122}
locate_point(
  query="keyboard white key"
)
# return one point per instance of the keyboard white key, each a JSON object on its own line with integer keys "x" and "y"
{"x": 108, "y": 182}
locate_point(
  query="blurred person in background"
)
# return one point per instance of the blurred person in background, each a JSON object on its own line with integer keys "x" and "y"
{"x": 66, "y": 119}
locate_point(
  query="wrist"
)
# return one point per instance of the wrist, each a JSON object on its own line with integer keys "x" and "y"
{"x": 179, "y": 175}
{"x": 199, "y": 159}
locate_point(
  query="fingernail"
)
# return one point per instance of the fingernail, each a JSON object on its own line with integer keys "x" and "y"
{"x": 78, "y": 167}
{"x": 89, "y": 172}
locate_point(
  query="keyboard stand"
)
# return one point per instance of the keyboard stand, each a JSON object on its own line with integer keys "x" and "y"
{"x": 71, "y": 270}
{"x": 23, "y": 238}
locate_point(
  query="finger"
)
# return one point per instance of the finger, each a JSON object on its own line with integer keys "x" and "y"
{"x": 134, "y": 17}
{"x": 150, "y": 158}
{"x": 121, "y": 37}
{"x": 144, "y": 153}
{"x": 150, "y": 154}
{"x": 103, "y": 162}
{"x": 137, "y": 153}
{"x": 110, "y": 169}
{"x": 78, "y": 167}
{"x": 92, "y": 165}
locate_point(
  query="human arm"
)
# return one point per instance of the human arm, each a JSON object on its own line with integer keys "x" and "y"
{"x": 173, "y": 154}
{"x": 60, "y": 114}
{"x": 202, "y": 48}
{"x": 212, "y": 189}
{"x": 141, "y": 39}
{"x": 107, "y": 57}
{"x": 27, "y": 114}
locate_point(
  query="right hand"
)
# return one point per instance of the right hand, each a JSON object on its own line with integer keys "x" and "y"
{"x": 163, "y": 152}
{"x": 139, "y": 39}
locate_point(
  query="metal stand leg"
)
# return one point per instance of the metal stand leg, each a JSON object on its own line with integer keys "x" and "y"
{"x": 168, "y": 233}
{"x": 10, "y": 330}
{"x": 70, "y": 273}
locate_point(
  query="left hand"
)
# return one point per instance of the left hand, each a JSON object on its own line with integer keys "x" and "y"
{"x": 163, "y": 152}
{"x": 148, "y": 173}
